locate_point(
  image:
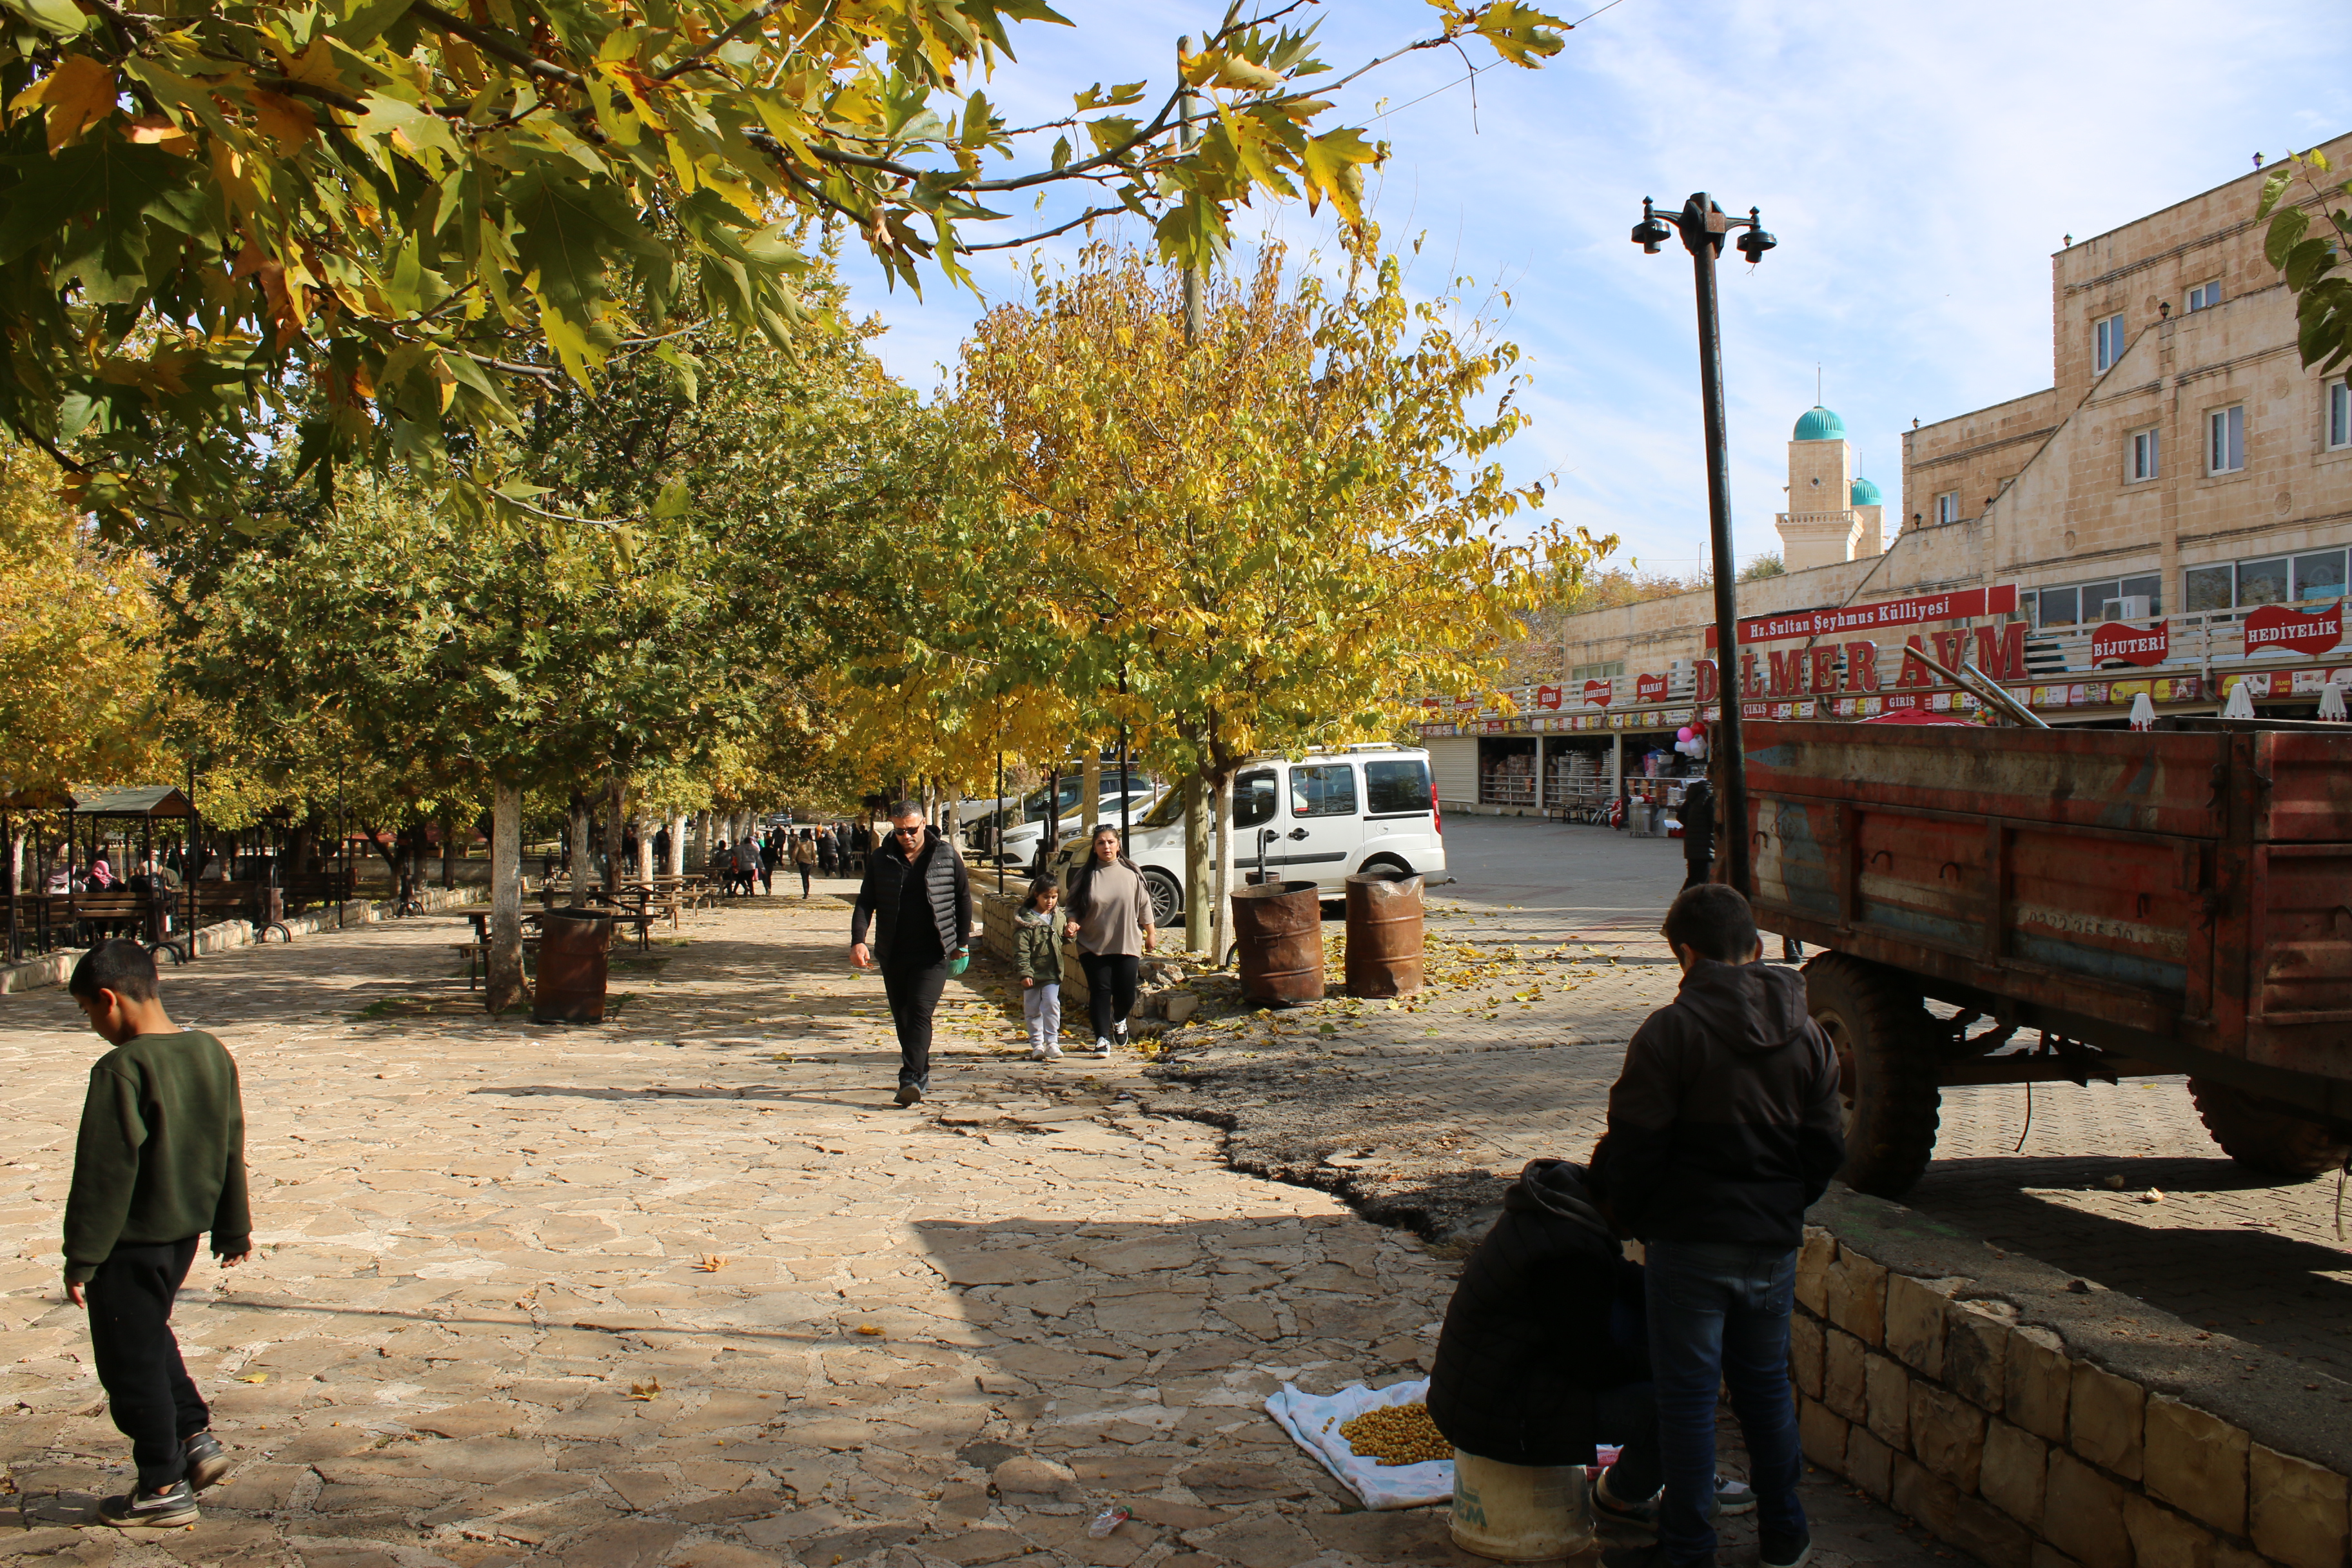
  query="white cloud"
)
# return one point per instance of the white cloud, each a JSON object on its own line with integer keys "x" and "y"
{"x": 1920, "y": 165}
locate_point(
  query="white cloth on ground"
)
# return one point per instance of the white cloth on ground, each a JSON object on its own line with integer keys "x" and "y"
{"x": 1313, "y": 1421}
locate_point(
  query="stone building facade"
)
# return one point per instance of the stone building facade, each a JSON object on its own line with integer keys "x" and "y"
{"x": 2172, "y": 516}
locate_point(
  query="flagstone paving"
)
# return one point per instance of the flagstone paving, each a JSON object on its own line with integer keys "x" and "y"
{"x": 684, "y": 1289}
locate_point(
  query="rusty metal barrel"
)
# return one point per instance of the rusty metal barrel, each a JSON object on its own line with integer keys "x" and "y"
{"x": 1279, "y": 926}
{"x": 575, "y": 955}
{"x": 1384, "y": 935}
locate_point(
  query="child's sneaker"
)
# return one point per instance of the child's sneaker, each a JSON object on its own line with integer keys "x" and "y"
{"x": 166, "y": 1509}
{"x": 1037, "y": 1053}
{"x": 1102, "y": 1046}
{"x": 208, "y": 1462}
{"x": 1053, "y": 1053}
{"x": 1623, "y": 1523}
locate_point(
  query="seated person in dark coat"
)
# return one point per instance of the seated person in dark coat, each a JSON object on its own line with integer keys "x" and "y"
{"x": 1544, "y": 1352}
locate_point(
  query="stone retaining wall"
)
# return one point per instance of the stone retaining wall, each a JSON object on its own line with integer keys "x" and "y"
{"x": 2038, "y": 1421}
{"x": 1156, "y": 995}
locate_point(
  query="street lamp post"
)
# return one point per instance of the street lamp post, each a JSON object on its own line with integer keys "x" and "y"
{"x": 1704, "y": 226}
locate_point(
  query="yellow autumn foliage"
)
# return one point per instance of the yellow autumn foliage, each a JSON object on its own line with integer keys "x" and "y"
{"x": 78, "y": 666}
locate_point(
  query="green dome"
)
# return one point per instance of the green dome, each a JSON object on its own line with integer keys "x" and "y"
{"x": 1865, "y": 493}
{"x": 1818, "y": 424}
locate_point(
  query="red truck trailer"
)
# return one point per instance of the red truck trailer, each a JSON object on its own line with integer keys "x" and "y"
{"x": 2096, "y": 903}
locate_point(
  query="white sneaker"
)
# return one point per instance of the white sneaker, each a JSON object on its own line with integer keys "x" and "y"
{"x": 1102, "y": 1046}
{"x": 1053, "y": 1053}
{"x": 1037, "y": 1053}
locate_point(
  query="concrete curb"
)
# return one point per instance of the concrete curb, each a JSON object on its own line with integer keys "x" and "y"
{"x": 56, "y": 968}
{"x": 2018, "y": 1412}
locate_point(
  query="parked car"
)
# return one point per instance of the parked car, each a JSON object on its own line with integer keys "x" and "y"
{"x": 1322, "y": 819}
{"x": 1020, "y": 842}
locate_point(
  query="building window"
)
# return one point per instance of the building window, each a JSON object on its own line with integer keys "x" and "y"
{"x": 1947, "y": 507}
{"x": 2319, "y": 575}
{"x": 2089, "y": 604}
{"x": 2208, "y": 588}
{"x": 2339, "y": 415}
{"x": 2314, "y": 576}
{"x": 1608, "y": 669}
{"x": 2205, "y": 296}
{"x": 2225, "y": 443}
{"x": 2143, "y": 456}
{"x": 2106, "y": 343}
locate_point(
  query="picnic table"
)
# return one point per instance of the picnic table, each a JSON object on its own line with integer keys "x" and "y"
{"x": 476, "y": 951}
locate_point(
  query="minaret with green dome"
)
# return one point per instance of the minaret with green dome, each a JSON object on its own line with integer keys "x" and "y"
{"x": 1833, "y": 514}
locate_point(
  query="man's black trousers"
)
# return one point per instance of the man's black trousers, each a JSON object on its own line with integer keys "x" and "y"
{"x": 147, "y": 1389}
{"x": 914, "y": 991}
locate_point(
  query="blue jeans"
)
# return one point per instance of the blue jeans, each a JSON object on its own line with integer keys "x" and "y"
{"x": 1719, "y": 1314}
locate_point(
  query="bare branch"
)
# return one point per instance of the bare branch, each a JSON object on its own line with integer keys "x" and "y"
{"x": 491, "y": 42}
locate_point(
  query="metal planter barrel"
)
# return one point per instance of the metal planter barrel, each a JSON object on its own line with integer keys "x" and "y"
{"x": 576, "y": 955}
{"x": 1384, "y": 935}
{"x": 1279, "y": 926}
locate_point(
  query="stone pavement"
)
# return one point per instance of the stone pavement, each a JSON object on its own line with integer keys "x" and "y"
{"x": 1417, "y": 1113}
{"x": 684, "y": 1289}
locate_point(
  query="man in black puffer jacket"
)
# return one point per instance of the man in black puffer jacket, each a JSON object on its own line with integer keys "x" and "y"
{"x": 1542, "y": 1354}
{"x": 1724, "y": 1127}
{"x": 918, "y": 898}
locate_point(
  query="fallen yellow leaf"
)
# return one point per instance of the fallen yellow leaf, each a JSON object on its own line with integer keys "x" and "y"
{"x": 870, "y": 1329}
{"x": 643, "y": 1391}
{"x": 711, "y": 1263}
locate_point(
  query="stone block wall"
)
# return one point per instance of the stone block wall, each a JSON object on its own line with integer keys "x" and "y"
{"x": 1937, "y": 1392}
{"x": 1160, "y": 982}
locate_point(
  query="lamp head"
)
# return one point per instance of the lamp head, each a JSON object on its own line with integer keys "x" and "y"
{"x": 1650, "y": 234}
{"x": 1754, "y": 242}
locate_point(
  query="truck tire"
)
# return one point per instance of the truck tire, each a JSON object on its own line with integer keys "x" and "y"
{"x": 2265, "y": 1135}
{"x": 1886, "y": 1070}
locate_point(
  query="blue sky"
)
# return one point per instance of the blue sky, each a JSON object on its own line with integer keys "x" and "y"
{"x": 1919, "y": 164}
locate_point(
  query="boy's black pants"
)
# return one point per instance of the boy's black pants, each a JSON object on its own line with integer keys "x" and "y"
{"x": 148, "y": 1391}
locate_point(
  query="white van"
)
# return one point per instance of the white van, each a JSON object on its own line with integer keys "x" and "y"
{"x": 1322, "y": 819}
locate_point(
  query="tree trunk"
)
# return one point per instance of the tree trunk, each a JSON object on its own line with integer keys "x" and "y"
{"x": 677, "y": 846}
{"x": 1223, "y": 813}
{"x": 448, "y": 848}
{"x": 614, "y": 790}
{"x": 577, "y": 867}
{"x": 644, "y": 871}
{"x": 702, "y": 821}
{"x": 505, "y": 985}
{"x": 1090, "y": 789}
{"x": 1198, "y": 907}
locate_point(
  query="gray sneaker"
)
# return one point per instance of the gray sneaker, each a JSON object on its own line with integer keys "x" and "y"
{"x": 168, "y": 1508}
{"x": 208, "y": 1462}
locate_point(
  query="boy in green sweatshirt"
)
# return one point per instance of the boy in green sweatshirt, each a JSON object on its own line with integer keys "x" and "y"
{"x": 159, "y": 1160}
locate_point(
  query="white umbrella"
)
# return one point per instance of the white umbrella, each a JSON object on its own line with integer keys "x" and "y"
{"x": 2241, "y": 701}
{"x": 2143, "y": 713}
{"x": 2331, "y": 700}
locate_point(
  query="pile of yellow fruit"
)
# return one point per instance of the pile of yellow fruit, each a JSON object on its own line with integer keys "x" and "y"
{"x": 1396, "y": 1435}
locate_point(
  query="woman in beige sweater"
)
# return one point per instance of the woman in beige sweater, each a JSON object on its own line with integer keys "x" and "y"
{"x": 1109, "y": 914}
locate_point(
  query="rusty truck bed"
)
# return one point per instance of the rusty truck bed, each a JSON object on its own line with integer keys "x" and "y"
{"x": 2181, "y": 899}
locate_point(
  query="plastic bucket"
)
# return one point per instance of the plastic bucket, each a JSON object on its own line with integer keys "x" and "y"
{"x": 1384, "y": 935}
{"x": 1518, "y": 1514}
{"x": 1279, "y": 928}
{"x": 575, "y": 951}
